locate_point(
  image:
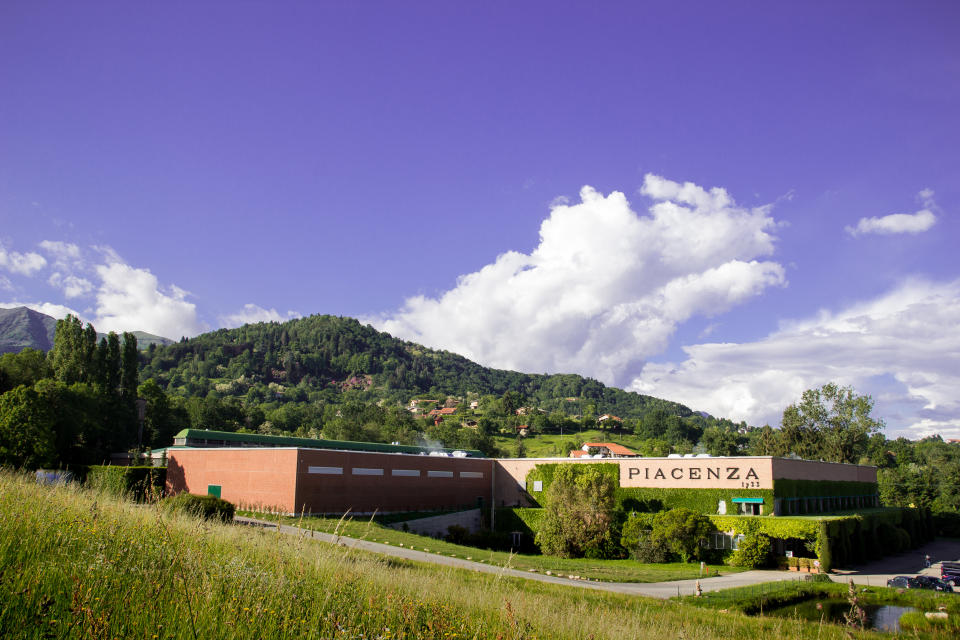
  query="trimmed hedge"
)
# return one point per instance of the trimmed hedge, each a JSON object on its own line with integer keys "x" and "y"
{"x": 143, "y": 484}
{"x": 206, "y": 507}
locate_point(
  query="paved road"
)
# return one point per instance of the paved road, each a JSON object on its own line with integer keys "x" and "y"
{"x": 650, "y": 589}
{"x": 873, "y": 574}
{"x": 910, "y": 563}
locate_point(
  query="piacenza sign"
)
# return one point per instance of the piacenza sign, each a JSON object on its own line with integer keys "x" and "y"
{"x": 691, "y": 473}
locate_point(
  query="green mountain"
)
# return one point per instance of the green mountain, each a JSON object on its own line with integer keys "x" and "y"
{"x": 22, "y": 327}
{"x": 333, "y": 359}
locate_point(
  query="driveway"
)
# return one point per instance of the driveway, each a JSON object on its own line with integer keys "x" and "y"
{"x": 877, "y": 573}
{"x": 650, "y": 589}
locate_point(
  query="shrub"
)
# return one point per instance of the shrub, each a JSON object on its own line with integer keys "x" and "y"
{"x": 579, "y": 515}
{"x": 206, "y": 507}
{"x": 682, "y": 531}
{"x": 754, "y": 548}
{"x": 649, "y": 549}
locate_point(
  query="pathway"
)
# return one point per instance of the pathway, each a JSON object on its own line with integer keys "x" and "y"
{"x": 650, "y": 589}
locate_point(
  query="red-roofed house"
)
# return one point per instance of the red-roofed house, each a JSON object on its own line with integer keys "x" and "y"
{"x": 609, "y": 450}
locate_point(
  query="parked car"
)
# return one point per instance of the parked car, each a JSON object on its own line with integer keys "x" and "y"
{"x": 929, "y": 582}
{"x": 903, "y": 582}
{"x": 950, "y": 572}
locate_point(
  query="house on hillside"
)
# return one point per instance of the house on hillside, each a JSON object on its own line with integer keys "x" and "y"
{"x": 604, "y": 450}
{"x": 608, "y": 417}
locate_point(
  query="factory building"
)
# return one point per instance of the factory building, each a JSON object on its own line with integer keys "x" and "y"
{"x": 294, "y": 475}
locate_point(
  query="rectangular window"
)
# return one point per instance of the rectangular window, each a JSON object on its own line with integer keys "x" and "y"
{"x": 326, "y": 471}
{"x": 407, "y": 473}
{"x": 538, "y": 485}
{"x": 362, "y": 471}
{"x": 471, "y": 474}
{"x": 213, "y": 490}
{"x": 439, "y": 474}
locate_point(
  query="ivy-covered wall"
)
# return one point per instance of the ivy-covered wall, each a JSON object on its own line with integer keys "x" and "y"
{"x": 650, "y": 499}
{"x": 839, "y": 541}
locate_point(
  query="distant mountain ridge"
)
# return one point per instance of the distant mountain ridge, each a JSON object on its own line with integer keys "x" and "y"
{"x": 21, "y": 328}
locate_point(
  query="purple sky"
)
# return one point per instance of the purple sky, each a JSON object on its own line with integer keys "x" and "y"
{"x": 175, "y": 168}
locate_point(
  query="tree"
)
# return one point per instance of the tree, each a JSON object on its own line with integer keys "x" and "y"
{"x": 23, "y": 368}
{"x": 682, "y": 531}
{"x": 27, "y": 438}
{"x": 832, "y": 423}
{"x": 578, "y": 516}
{"x": 722, "y": 442}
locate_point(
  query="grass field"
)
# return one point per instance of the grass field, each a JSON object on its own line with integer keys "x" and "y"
{"x": 603, "y": 570}
{"x": 75, "y": 564}
{"x": 550, "y": 445}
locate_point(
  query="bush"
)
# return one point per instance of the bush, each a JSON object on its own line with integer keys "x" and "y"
{"x": 649, "y": 549}
{"x": 579, "y": 517}
{"x": 682, "y": 531}
{"x": 206, "y": 507}
{"x": 754, "y": 548}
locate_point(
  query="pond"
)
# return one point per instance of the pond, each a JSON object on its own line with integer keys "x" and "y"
{"x": 879, "y": 617}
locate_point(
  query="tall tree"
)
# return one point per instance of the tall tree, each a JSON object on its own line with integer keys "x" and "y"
{"x": 832, "y": 423}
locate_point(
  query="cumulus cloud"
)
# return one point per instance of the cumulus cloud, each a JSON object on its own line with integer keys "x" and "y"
{"x": 900, "y": 222}
{"x": 129, "y": 298}
{"x": 73, "y": 286}
{"x": 907, "y": 336}
{"x": 252, "y": 313}
{"x": 21, "y": 263}
{"x": 65, "y": 256}
{"x": 606, "y": 287}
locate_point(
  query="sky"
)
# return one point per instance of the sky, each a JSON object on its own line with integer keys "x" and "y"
{"x": 717, "y": 203}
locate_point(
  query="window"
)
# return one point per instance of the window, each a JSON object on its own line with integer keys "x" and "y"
{"x": 213, "y": 490}
{"x": 538, "y": 485}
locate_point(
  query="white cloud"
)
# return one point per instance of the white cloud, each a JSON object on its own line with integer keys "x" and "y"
{"x": 22, "y": 263}
{"x": 131, "y": 299}
{"x": 606, "y": 287}
{"x": 252, "y": 313}
{"x": 73, "y": 286}
{"x": 5, "y": 284}
{"x": 64, "y": 254}
{"x": 907, "y": 335}
{"x": 53, "y": 310}
{"x": 900, "y": 222}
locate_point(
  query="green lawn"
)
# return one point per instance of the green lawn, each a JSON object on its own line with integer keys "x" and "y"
{"x": 603, "y": 570}
{"x": 550, "y": 445}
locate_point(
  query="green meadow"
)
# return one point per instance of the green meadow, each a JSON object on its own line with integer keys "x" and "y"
{"x": 80, "y": 564}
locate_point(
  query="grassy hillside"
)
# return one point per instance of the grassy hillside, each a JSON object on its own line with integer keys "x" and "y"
{"x": 75, "y": 564}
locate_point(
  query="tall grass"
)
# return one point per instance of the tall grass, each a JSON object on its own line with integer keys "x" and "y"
{"x": 78, "y": 564}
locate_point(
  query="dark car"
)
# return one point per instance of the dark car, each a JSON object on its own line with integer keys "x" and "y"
{"x": 903, "y": 582}
{"x": 950, "y": 572}
{"x": 929, "y": 582}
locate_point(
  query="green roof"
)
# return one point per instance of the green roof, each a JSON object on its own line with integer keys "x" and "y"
{"x": 311, "y": 443}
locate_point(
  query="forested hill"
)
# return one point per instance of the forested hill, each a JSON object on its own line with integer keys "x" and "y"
{"x": 322, "y": 358}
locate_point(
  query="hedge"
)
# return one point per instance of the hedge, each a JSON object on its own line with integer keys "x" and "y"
{"x": 143, "y": 484}
{"x": 206, "y": 507}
